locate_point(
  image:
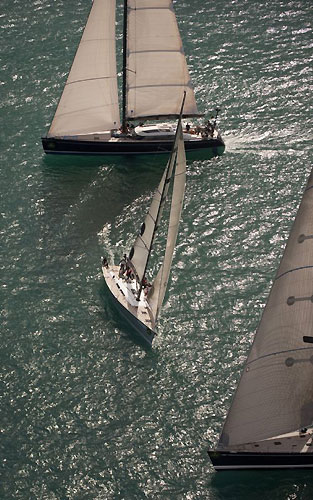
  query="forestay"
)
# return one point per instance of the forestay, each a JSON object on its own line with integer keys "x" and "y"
{"x": 89, "y": 103}
{"x": 275, "y": 393}
{"x": 157, "y": 73}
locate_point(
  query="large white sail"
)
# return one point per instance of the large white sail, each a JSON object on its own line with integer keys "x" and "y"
{"x": 89, "y": 103}
{"x": 275, "y": 393}
{"x": 140, "y": 251}
{"x": 160, "y": 283}
{"x": 157, "y": 73}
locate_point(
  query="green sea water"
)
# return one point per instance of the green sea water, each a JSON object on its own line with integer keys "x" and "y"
{"x": 85, "y": 411}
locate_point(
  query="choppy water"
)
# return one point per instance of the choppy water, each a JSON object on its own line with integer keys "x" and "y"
{"x": 86, "y": 413}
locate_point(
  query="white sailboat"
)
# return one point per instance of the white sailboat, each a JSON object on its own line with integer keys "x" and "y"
{"x": 138, "y": 302}
{"x": 270, "y": 422}
{"x": 155, "y": 75}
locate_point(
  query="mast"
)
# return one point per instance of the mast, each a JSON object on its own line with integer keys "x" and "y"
{"x": 165, "y": 188}
{"x": 124, "y": 128}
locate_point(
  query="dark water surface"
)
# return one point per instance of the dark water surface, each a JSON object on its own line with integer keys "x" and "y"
{"x": 86, "y": 413}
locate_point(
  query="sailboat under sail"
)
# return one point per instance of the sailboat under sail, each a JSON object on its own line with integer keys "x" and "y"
{"x": 270, "y": 422}
{"x": 138, "y": 301}
{"x": 155, "y": 75}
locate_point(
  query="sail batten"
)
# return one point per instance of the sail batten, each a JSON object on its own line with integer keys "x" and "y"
{"x": 140, "y": 251}
{"x": 156, "y": 63}
{"x": 89, "y": 102}
{"x": 275, "y": 392}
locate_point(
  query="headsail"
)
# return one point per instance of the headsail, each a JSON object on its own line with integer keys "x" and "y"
{"x": 140, "y": 251}
{"x": 160, "y": 283}
{"x": 89, "y": 103}
{"x": 275, "y": 393}
{"x": 157, "y": 73}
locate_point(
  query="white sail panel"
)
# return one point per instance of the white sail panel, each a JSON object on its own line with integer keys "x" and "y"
{"x": 89, "y": 103}
{"x": 140, "y": 251}
{"x": 157, "y": 73}
{"x": 275, "y": 393}
{"x": 160, "y": 283}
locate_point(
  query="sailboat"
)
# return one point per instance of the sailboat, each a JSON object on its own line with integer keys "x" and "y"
{"x": 155, "y": 75}
{"x": 139, "y": 301}
{"x": 270, "y": 422}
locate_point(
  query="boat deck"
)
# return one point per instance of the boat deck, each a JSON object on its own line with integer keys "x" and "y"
{"x": 138, "y": 313}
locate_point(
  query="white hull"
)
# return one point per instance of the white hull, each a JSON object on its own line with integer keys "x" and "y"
{"x": 137, "y": 313}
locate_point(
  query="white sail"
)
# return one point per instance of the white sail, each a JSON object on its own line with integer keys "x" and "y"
{"x": 139, "y": 253}
{"x": 157, "y": 73}
{"x": 275, "y": 393}
{"x": 89, "y": 103}
{"x": 160, "y": 283}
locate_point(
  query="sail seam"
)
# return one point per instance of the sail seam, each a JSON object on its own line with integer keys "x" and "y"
{"x": 279, "y": 352}
{"x": 149, "y": 8}
{"x": 89, "y": 79}
{"x": 292, "y": 270}
{"x": 160, "y": 85}
{"x": 155, "y": 51}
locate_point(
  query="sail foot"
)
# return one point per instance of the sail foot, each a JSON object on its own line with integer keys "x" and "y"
{"x": 300, "y": 441}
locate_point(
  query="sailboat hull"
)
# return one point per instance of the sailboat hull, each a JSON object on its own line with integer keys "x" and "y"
{"x": 209, "y": 147}
{"x": 126, "y": 311}
{"x": 235, "y": 460}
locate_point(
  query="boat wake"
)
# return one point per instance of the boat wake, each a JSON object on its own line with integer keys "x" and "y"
{"x": 267, "y": 144}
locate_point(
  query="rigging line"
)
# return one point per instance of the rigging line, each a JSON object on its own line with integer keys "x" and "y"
{"x": 292, "y": 270}
{"x": 279, "y": 352}
{"x": 308, "y": 188}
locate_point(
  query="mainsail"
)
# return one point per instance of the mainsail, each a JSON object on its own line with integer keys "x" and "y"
{"x": 89, "y": 103}
{"x": 275, "y": 393}
{"x": 157, "y": 73}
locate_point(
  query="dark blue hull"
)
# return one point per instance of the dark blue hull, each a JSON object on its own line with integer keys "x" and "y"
{"x": 223, "y": 460}
{"x": 209, "y": 147}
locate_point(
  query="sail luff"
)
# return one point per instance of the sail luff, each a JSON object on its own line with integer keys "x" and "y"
{"x": 160, "y": 283}
{"x": 157, "y": 72}
{"x": 274, "y": 395}
{"x": 89, "y": 102}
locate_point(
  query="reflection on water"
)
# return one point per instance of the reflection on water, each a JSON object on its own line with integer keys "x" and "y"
{"x": 274, "y": 485}
{"x": 86, "y": 411}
